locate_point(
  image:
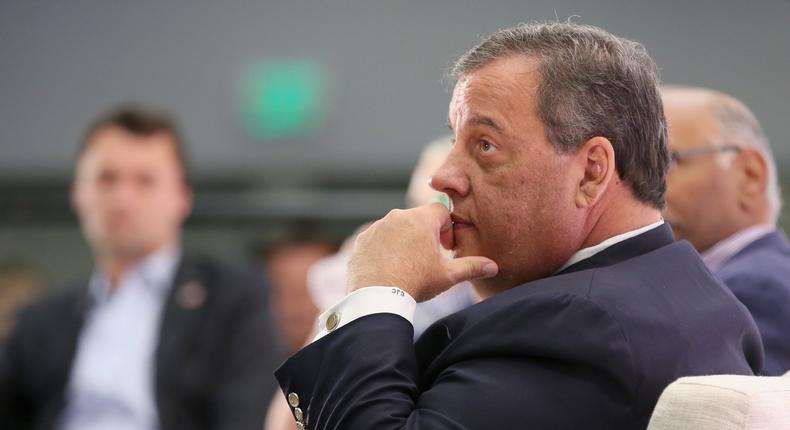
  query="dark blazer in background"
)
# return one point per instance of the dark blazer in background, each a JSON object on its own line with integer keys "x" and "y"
{"x": 217, "y": 349}
{"x": 759, "y": 276}
{"x": 589, "y": 348}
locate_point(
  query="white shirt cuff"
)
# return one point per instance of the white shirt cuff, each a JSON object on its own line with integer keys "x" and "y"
{"x": 363, "y": 302}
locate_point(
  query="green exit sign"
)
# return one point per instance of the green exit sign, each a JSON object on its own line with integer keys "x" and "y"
{"x": 284, "y": 99}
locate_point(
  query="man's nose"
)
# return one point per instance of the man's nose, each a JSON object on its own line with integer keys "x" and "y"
{"x": 450, "y": 178}
{"x": 122, "y": 193}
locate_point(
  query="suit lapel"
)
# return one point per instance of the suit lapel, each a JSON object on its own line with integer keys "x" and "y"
{"x": 181, "y": 316}
{"x": 65, "y": 339}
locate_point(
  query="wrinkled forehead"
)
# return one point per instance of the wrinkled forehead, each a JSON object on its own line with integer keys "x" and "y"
{"x": 505, "y": 86}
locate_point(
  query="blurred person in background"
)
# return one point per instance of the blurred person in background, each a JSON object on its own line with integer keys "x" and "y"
{"x": 327, "y": 279}
{"x": 723, "y": 196}
{"x": 155, "y": 339}
{"x": 286, "y": 265}
{"x": 20, "y": 285}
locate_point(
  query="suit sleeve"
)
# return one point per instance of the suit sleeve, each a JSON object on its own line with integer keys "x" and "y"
{"x": 365, "y": 375}
{"x": 244, "y": 381}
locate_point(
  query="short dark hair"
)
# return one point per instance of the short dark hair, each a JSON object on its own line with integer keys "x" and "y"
{"x": 592, "y": 83}
{"x": 139, "y": 120}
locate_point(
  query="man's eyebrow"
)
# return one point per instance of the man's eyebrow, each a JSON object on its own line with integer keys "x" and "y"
{"x": 485, "y": 121}
{"x": 478, "y": 120}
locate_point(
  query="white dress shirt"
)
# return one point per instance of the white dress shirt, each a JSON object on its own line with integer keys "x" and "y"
{"x": 381, "y": 299}
{"x": 111, "y": 384}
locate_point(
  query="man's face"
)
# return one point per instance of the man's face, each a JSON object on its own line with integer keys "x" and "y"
{"x": 129, "y": 193}
{"x": 701, "y": 203}
{"x": 512, "y": 201}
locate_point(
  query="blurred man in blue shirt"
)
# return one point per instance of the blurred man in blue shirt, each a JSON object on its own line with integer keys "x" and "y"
{"x": 155, "y": 339}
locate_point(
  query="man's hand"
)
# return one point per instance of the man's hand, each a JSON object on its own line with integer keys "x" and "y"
{"x": 403, "y": 250}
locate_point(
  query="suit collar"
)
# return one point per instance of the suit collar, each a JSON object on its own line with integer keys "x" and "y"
{"x": 775, "y": 239}
{"x": 722, "y": 252}
{"x": 589, "y": 251}
{"x": 629, "y": 248}
{"x": 154, "y": 274}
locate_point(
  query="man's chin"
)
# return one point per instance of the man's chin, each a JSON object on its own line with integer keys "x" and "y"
{"x": 128, "y": 250}
{"x": 486, "y": 288}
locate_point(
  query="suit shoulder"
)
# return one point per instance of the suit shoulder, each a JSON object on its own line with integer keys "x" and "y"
{"x": 761, "y": 280}
{"x": 57, "y": 301}
{"x": 557, "y": 321}
{"x": 51, "y": 313}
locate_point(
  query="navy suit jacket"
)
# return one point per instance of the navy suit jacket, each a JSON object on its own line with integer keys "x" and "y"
{"x": 759, "y": 276}
{"x": 589, "y": 348}
{"x": 213, "y": 362}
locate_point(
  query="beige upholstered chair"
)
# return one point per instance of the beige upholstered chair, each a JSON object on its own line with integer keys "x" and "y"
{"x": 724, "y": 402}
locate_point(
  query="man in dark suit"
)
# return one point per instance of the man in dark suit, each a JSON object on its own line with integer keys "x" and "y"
{"x": 154, "y": 339}
{"x": 723, "y": 196}
{"x": 557, "y": 178}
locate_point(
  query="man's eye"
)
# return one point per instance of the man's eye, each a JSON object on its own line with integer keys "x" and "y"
{"x": 145, "y": 181}
{"x": 486, "y": 147}
{"x": 107, "y": 178}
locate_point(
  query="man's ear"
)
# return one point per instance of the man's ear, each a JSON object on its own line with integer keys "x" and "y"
{"x": 596, "y": 157}
{"x": 188, "y": 202}
{"x": 73, "y": 199}
{"x": 753, "y": 170}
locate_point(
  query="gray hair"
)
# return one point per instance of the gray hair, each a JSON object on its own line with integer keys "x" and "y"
{"x": 592, "y": 83}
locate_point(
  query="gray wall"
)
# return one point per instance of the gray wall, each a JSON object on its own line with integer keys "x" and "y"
{"x": 62, "y": 62}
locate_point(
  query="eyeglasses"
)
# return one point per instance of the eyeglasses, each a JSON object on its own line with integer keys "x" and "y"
{"x": 677, "y": 156}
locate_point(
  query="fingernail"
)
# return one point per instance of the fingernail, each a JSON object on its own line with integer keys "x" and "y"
{"x": 490, "y": 269}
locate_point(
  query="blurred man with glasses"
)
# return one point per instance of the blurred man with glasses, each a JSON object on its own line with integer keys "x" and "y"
{"x": 723, "y": 196}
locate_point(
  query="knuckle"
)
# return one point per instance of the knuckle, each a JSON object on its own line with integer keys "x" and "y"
{"x": 470, "y": 270}
{"x": 394, "y": 213}
{"x": 365, "y": 234}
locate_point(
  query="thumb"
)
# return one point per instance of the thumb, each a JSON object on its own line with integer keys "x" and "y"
{"x": 468, "y": 268}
